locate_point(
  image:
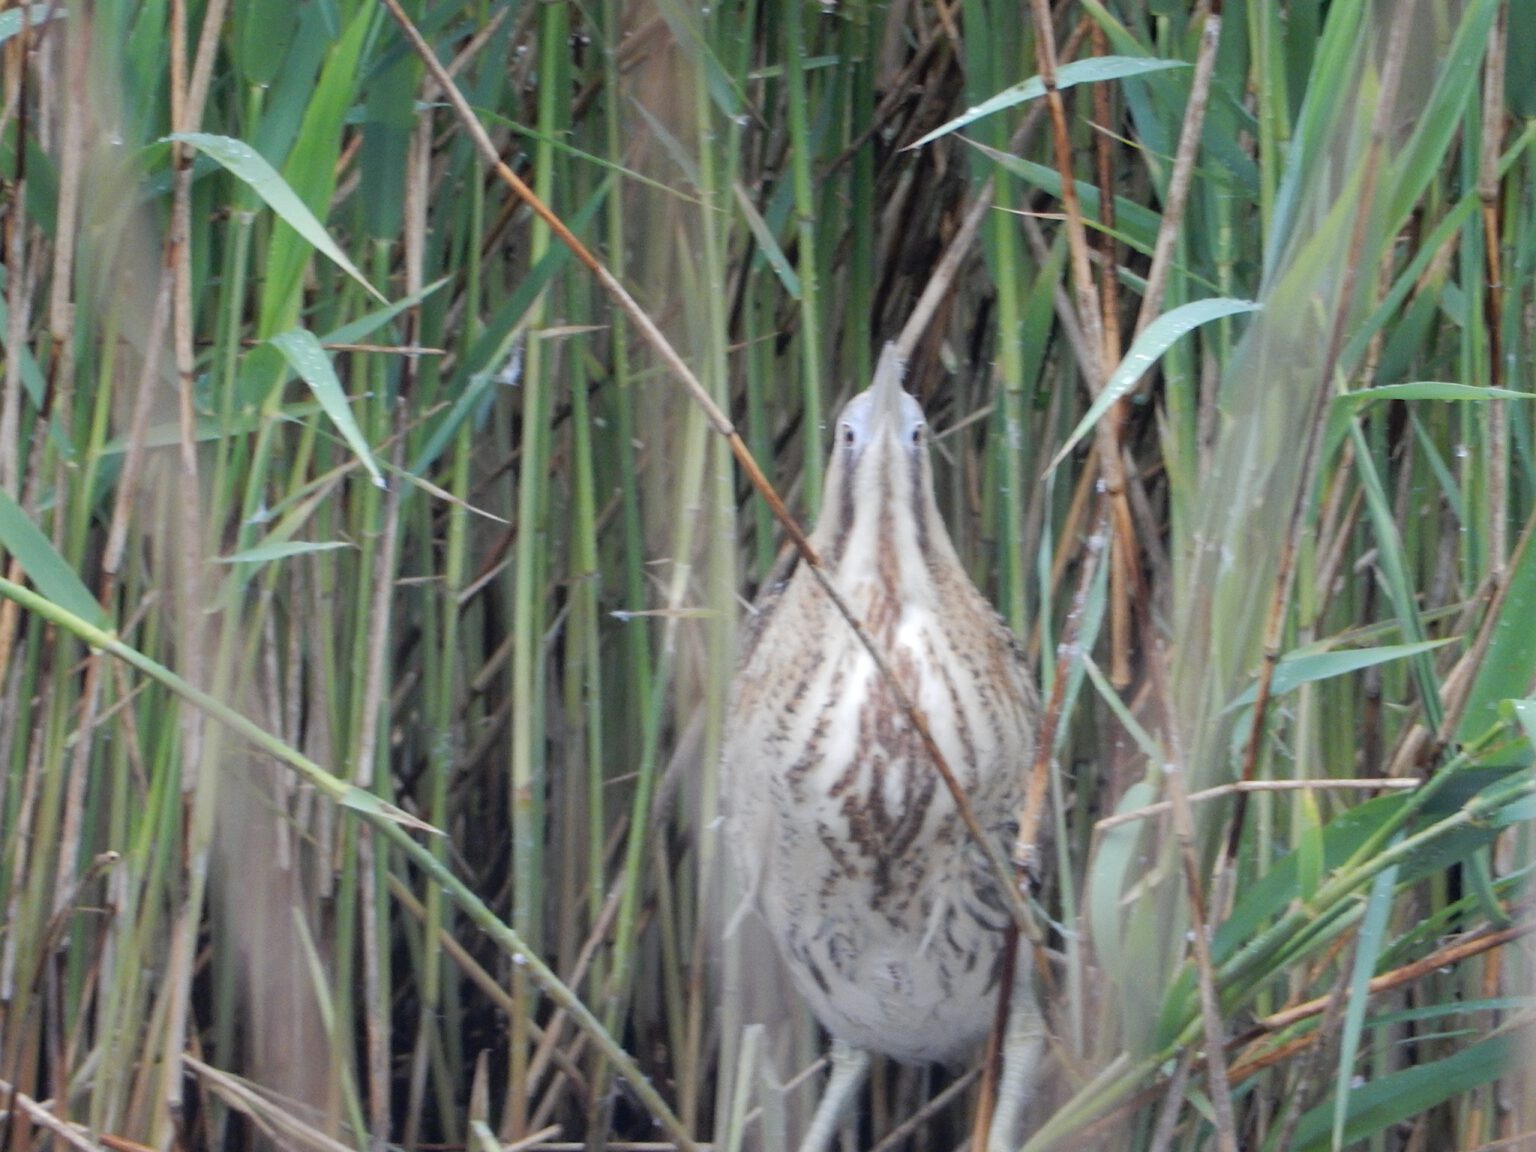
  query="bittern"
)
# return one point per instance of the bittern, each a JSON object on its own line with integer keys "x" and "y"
{"x": 850, "y": 845}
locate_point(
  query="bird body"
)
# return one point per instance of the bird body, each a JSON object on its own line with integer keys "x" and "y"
{"x": 850, "y": 844}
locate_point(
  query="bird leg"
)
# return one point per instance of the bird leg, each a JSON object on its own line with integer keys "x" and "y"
{"x": 1021, "y": 1058}
{"x": 849, "y": 1067}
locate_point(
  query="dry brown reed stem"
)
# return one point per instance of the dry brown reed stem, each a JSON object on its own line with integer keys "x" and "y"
{"x": 16, "y": 52}
{"x": 721, "y": 423}
{"x": 1317, "y": 413}
{"x": 1472, "y": 944}
{"x": 1087, "y": 295}
{"x": 61, "y": 315}
{"x": 992, "y": 1059}
{"x": 61, "y": 310}
{"x": 1114, "y": 472}
{"x": 375, "y": 676}
{"x": 1093, "y": 353}
{"x": 1183, "y": 170}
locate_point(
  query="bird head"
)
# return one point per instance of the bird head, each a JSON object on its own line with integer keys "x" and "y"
{"x": 879, "y": 523}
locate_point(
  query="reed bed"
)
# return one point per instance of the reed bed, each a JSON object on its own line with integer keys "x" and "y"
{"x": 375, "y": 533}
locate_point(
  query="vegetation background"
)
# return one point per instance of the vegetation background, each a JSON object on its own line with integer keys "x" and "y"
{"x": 371, "y": 579}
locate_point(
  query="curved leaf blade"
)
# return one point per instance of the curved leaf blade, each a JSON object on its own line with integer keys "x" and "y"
{"x": 1093, "y": 70}
{"x": 249, "y": 166}
{"x": 1298, "y": 668}
{"x": 49, "y": 572}
{"x": 282, "y": 550}
{"x": 306, "y": 356}
{"x": 1145, "y": 352}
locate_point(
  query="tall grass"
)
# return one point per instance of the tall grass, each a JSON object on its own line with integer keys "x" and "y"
{"x": 371, "y": 583}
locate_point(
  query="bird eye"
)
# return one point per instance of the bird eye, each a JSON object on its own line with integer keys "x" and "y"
{"x": 917, "y": 435}
{"x": 847, "y": 434}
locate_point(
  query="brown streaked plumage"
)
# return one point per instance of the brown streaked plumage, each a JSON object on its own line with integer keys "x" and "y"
{"x": 849, "y": 843}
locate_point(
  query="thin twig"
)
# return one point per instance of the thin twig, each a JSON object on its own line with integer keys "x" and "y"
{"x": 894, "y": 1138}
{"x": 72, "y": 1134}
{"x": 1162, "y": 806}
{"x": 1077, "y": 235}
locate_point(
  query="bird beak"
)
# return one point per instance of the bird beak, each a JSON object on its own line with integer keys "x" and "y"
{"x": 888, "y": 393}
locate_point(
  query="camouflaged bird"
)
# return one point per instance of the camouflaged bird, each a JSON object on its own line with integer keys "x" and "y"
{"x": 848, "y": 842}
